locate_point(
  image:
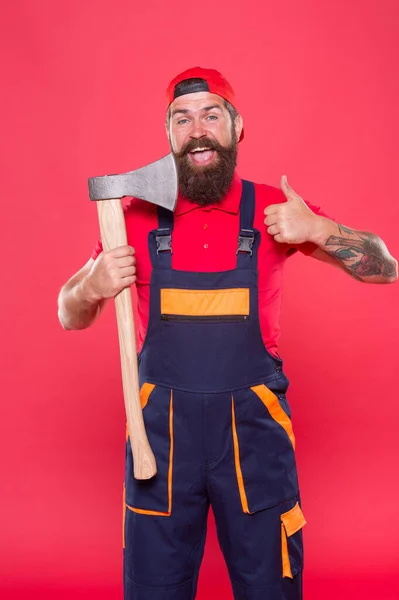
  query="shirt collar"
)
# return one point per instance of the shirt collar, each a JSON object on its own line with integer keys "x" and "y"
{"x": 230, "y": 202}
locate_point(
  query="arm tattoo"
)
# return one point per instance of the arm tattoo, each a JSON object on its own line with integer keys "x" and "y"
{"x": 363, "y": 254}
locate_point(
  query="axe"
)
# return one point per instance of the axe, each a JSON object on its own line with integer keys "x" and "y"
{"x": 156, "y": 183}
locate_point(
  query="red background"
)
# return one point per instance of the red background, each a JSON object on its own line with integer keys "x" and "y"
{"x": 83, "y": 95}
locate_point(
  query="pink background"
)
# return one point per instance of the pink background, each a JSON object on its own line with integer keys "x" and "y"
{"x": 83, "y": 95}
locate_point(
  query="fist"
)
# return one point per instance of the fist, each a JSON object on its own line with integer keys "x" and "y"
{"x": 290, "y": 222}
{"x": 112, "y": 271}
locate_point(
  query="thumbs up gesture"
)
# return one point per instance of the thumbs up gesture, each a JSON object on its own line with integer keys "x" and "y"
{"x": 291, "y": 222}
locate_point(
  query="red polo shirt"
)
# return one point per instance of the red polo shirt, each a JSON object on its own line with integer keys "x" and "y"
{"x": 205, "y": 239}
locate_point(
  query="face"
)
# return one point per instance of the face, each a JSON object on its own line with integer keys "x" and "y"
{"x": 203, "y": 140}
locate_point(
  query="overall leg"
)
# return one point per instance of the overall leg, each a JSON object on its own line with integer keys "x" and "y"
{"x": 253, "y": 549}
{"x": 162, "y": 555}
{"x": 259, "y": 531}
{"x": 165, "y": 518}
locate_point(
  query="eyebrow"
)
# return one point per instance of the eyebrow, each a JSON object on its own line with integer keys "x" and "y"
{"x": 184, "y": 111}
{"x": 207, "y": 108}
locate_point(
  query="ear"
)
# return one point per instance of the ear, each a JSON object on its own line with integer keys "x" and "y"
{"x": 167, "y": 129}
{"x": 238, "y": 126}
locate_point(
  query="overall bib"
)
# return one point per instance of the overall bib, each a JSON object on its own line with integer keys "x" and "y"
{"x": 218, "y": 422}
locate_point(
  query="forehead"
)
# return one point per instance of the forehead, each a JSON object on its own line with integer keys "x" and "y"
{"x": 196, "y": 102}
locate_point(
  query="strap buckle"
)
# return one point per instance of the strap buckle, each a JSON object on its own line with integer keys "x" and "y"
{"x": 163, "y": 239}
{"x": 246, "y": 240}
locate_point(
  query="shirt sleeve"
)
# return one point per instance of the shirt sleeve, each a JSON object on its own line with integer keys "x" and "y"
{"x": 308, "y": 248}
{"x": 98, "y": 248}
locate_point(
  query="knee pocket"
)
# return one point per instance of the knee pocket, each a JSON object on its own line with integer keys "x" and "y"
{"x": 292, "y": 522}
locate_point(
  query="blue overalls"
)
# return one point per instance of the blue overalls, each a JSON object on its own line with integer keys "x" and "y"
{"x": 218, "y": 422}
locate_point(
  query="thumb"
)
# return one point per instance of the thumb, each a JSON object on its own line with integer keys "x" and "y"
{"x": 286, "y": 188}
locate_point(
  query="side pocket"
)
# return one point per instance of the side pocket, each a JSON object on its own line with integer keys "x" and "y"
{"x": 271, "y": 401}
{"x": 153, "y": 496}
{"x": 292, "y": 522}
{"x": 263, "y": 449}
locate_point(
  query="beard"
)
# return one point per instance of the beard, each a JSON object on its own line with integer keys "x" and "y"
{"x": 208, "y": 184}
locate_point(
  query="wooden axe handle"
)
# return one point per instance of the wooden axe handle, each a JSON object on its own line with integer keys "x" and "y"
{"x": 113, "y": 235}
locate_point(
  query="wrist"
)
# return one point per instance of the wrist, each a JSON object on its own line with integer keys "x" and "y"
{"x": 321, "y": 230}
{"x": 88, "y": 292}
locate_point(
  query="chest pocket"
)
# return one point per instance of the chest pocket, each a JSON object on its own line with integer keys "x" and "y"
{"x": 206, "y": 333}
{"x": 231, "y": 304}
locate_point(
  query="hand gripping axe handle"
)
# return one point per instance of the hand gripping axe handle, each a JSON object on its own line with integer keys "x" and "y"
{"x": 156, "y": 183}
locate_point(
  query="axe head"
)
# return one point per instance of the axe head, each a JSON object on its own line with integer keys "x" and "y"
{"x": 156, "y": 183}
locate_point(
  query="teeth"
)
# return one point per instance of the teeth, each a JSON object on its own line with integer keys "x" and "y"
{"x": 200, "y": 149}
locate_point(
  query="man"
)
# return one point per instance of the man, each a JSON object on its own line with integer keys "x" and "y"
{"x": 213, "y": 390}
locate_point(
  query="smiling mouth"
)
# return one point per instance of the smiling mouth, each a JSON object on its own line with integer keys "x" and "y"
{"x": 202, "y": 156}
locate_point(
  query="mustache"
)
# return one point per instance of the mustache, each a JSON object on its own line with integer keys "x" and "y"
{"x": 203, "y": 142}
{"x": 207, "y": 185}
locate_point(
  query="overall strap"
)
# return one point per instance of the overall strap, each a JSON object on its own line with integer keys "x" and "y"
{"x": 248, "y": 239}
{"x": 160, "y": 240}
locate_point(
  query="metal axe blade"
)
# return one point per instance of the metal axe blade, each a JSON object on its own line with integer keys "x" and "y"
{"x": 157, "y": 183}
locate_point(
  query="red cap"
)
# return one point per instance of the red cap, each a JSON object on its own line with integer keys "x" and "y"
{"x": 214, "y": 82}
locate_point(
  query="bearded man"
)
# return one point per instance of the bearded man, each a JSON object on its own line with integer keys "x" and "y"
{"x": 213, "y": 389}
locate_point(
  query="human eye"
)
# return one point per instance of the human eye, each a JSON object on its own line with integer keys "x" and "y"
{"x": 182, "y": 121}
{"x": 211, "y": 117}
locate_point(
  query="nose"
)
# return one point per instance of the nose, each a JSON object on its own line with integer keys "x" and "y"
{"x": 197, "y": 130}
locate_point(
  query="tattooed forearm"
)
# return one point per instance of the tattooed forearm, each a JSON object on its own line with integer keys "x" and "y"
{"x": 363, "y": 254}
